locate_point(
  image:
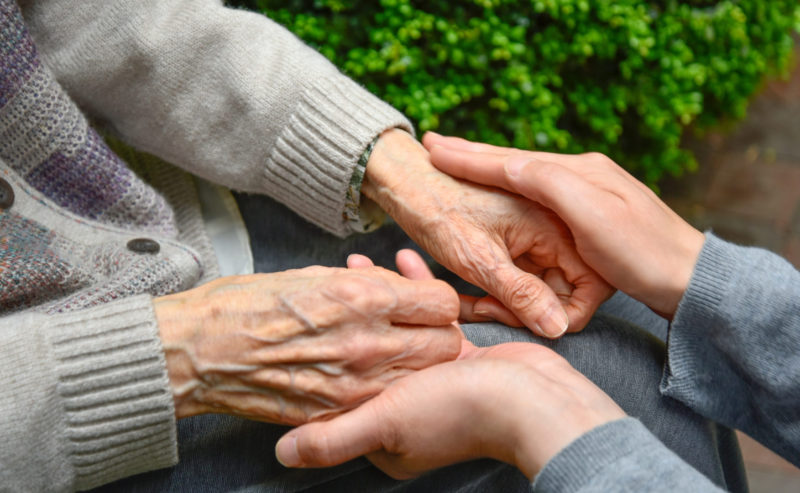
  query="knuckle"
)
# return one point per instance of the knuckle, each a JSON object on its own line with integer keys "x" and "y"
{"x": 522, "y": 294}
{"x": 363, "y": 293}
{"x": 597, "y": 159}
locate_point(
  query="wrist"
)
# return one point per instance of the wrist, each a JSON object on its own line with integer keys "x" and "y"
{"x": 396, "y": 162}
{"x": 675, "y": 281}
{"x": 173, "y": 329}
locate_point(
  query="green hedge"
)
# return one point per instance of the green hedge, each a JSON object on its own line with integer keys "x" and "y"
{"x": 624, "y": 77}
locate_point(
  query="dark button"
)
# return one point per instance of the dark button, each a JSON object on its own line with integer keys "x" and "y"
{"x": 6, "y": 194}
{"x": 143, "y": 245}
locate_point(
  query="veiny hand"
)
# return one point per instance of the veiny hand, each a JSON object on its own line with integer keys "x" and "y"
{"x": 529, "y": 403}
{"x": 621, "y": 228}
{"x": 302, "y": 344}
{"x": 516, "y": 250}
{"x": 519, "y": 403}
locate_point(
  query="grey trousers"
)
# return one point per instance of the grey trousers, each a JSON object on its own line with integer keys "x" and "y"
{"x": 621, "y": 350}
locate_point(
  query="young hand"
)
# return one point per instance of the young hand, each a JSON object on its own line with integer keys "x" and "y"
{"x": 620, "y": 227}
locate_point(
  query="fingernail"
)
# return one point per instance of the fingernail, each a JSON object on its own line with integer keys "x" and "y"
{"x": 554, "y": 323}
{"x": 286, "y": 451}
{"x": 515, "y": 164}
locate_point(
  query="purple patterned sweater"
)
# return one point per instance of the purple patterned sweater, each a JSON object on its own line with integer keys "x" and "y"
{"x": 48, "y": 148}
{"x": 88, "y": 237}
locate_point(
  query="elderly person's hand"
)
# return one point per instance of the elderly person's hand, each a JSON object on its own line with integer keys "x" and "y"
{"x": 621, "y": 228}
{"x": 516, "y": 250}
{"x": 520, "y": 403}
{"x": 303, "y": 344}
{"x": 527, "y": 401}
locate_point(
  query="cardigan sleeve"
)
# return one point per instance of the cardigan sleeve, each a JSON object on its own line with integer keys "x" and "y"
{"x": 621, "y": 456}
{"x": 733, "y": 349}
{"x": 86, "y": 397}
{"x": 227, "y": 94}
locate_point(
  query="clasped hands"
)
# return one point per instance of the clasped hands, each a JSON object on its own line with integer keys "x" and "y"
{"x": 427, "y": 420}
{"x": 310, "y": 344}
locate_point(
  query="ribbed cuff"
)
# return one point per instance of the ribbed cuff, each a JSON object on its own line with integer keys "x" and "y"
{"x": 695, "y": 321}
{"x": 113, "y": 383}
{"x": 313, "y": 161}
{"x": 587, "y": 457}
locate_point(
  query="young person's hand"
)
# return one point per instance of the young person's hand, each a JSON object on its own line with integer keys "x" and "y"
{"x": 520, "y": 403}
{"x": 620, "y": 227}
{"x": 516, "y": 250}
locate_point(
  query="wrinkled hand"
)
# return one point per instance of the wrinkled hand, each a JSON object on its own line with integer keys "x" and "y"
{"x": 302, "y": 344}
{"x": 528, "y": 401}
{"x": 519, "y": 403}
{"x": 621, "y": 228}
{"x": 516, "y": 250}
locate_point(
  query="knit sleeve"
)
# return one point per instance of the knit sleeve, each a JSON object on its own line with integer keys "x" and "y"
{"x": 91, "y": 400}
{"x": 226, "y": 94}
{"x": 621, "y": 456}
{"x": 733, "y": 349}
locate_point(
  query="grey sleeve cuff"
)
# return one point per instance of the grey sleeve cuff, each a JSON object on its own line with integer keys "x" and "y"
{"x": 621, "y": 456}
{"x": 91, "y": 398}
{"x": 733, "y": 349}
{"x": 315, "y": 160}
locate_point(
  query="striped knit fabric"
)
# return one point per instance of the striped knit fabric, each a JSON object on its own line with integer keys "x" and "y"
{"x": 46, "y": 140}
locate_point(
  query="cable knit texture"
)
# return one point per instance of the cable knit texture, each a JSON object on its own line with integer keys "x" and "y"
{"x": 224, "y": 94}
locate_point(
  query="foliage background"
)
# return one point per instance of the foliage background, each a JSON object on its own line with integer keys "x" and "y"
{"x": 625, "y": 77}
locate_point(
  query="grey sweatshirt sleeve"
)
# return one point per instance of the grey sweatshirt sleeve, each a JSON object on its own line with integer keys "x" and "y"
{"x": 85, "y": 398}
{"x": 226, "y": 94}
{"x": 734, "y": 345}
{"x": 621, "y": 456}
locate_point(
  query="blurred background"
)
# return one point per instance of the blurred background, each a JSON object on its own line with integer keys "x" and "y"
{"x": 699, "y": 99}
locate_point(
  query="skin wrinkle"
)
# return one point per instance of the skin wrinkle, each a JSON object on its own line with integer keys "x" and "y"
{"x": 478, "y": 269}
{"x": 304, "y": 347}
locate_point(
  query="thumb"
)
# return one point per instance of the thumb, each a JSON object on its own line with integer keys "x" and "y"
{"x": 531, "y": 300}
{"x": 329, "y": 443}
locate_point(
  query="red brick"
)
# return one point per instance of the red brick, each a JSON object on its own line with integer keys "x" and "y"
{"x": 766, "y": 193}
{"x": 755, "y": 454}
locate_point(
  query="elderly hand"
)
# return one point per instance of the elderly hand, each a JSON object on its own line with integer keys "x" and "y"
{"x": 519, "y": 403}
{"x": 516, "y": 250}
{"x": 621, "y": 228}
{"x": 303, "y": 344}
{"x": 529, "y": 401}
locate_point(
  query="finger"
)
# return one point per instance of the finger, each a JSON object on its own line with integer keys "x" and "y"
{"x": 431, "y": 139}
{"x": 358, "y": 261}
{"x": 412, "y": 265}
{"x": 555, "y": 278}
{"x": 375, "y": 292}
{"x": 425, "y": 302}
{"x": 529, "y": 299}
{"x": 488, "y": 306}
{"x": 587, "y": 297}
{"x": 477, "y": 167}
{"x": 576, "y": 162}
{"x": 569, "y": 195}
{"x": 329, "y": 443}
{"x": 468, "y": 314}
